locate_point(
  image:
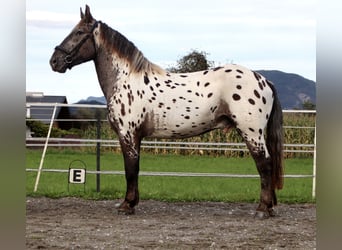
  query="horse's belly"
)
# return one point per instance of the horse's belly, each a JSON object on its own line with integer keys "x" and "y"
{"x": 182, "y": 125}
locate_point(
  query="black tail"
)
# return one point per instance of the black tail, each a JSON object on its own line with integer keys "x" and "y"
{"x": 274, "y": 141}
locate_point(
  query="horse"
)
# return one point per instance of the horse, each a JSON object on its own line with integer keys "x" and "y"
{"x": 146, "y": 101}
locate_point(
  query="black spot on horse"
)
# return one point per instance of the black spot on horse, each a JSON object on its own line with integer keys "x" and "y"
{"x": 264, "y": 100}
{"x": 189, "y": 91}
{"x": 251, "y": 129}
{"x": 260, "y": 86}
{"x": 198, "y": 83}
{"x": 228, "y": 70}
{"x": 206, "y": 84}
{"x": 238, "y": 87}
{"x": 210, "y": 95}
{"x": 213, "y": 109}
{"x": 187, "y": 117}
{"x": 146, "y": 80}
{"x": 241, "y": 72}
{"x": 260, "y": 131}
{"x": 123, "y": 112}
{"x": 256, "y": 75}
{"x": 236, "y": 97}
{"x": 251, "y": 101}
{"x": 174, "y": 100}
{"x": 238, "y": 76}
{"x": 256, "y": 93}
{"x": 217, "y": 68}
{"x": 184, "y": 76}
{"x": 205, "y": 72}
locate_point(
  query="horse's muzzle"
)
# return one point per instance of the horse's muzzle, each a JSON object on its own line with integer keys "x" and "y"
{"x": 57, "y": 63}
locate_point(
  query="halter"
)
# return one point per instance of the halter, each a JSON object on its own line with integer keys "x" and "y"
{"x": 72, "y": 52}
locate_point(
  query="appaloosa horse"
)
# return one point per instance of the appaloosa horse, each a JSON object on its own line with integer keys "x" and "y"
{"x": 144, "y": 100}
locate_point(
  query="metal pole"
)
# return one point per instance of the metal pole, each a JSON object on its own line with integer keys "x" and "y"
{"x": 98, "y": 150}
{"x": 45, "y": 147}
{"x": 314, "y": 169}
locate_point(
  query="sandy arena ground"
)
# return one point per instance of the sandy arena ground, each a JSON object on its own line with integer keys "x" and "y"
{"x": 72, "y": 223}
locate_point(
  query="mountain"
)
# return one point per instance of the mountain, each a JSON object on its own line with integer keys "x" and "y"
{"x": 93, "y": 100}
{"x": 292, "y": 89}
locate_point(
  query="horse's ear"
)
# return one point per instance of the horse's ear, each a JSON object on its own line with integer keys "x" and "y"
{"x": 88, "y": 16}
{"x": 82, "y": 14}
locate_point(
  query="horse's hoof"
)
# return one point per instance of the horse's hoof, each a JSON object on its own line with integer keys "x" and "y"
{"x": 271, "y": 212}
{"x": 125, "y": 209}
{"x": 261, "y": 215}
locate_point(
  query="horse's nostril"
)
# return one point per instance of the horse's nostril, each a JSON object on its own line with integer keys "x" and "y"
{"x": 53, "y": 62}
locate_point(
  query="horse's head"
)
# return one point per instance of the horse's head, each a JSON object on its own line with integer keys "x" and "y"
{"x": 78, "y": 46}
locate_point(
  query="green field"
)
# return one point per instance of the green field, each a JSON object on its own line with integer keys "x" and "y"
{"x": 166, "y": 188}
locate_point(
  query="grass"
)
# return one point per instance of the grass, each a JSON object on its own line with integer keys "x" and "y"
{"x": 166, "y": 188}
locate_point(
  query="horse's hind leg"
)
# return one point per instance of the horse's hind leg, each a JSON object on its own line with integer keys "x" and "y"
{"x": 267, "y": 194}
{"x": 256, "y": 145}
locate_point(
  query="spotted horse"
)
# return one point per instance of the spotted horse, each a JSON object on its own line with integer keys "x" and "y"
{"x": 145, "y": 100}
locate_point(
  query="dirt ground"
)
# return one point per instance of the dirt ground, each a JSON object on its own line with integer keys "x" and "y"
{"x": 72, "y": 223}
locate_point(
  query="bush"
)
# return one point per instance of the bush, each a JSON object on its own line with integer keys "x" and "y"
{"x": 40, "y": 129}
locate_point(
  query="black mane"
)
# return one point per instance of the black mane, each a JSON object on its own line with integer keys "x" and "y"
{"x": 119, "y": 44}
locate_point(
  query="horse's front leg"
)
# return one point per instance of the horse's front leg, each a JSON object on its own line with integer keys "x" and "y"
{"x": 131, "y": 153}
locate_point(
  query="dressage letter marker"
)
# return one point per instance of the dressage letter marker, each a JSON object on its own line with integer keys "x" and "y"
{"x": 77, "y": 175}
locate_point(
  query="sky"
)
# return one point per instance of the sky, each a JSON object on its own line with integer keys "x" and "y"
{"x": 258, "y": 34}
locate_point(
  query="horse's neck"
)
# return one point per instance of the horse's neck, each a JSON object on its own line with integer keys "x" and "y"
{"x": 113, "y": 70}
{"x": 110, "y": 69}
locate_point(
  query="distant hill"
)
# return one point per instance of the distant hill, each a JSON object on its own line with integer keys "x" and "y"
{"x": 93, "y": 100}
{"x": 292, "y": 89}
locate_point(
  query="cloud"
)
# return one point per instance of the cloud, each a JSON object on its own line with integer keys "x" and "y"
{"x": 261, "y": 34}
{"x": 47, "y": 19}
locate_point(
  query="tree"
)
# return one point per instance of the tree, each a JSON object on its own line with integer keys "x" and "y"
{"x": 194, "y": 61}
{"x": 308, "y": 105}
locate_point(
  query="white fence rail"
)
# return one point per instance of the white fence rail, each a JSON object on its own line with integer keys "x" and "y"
{"x": 71, "y": 142}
